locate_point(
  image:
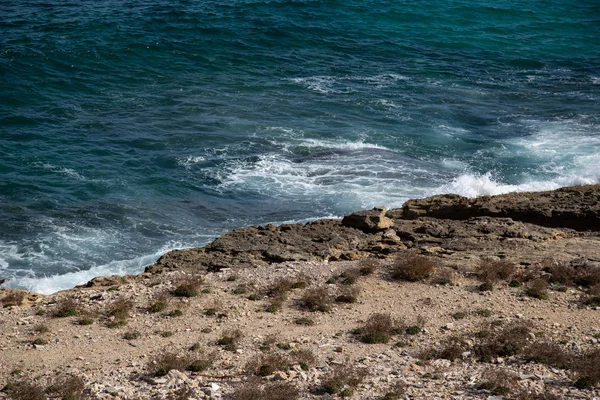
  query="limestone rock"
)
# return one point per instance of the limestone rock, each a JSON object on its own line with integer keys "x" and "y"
{"x": 368, "y": 220}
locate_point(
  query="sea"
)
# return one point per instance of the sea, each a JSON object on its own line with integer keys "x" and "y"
{"x": 130, "y": 128}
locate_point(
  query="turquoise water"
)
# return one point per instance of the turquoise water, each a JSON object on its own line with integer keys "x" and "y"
{"x": 131, "y": 128}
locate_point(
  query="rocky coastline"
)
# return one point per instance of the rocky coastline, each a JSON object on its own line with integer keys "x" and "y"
{"x": 488, "y": 298}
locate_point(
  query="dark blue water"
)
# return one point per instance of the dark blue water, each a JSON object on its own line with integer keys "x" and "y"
{"x": 131, "y": 128}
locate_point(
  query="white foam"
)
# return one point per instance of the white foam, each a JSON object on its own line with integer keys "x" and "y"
{"x": 474, "y": 185}
{"x": 348, "y": 83}
{"x": 55, "y": 283}
{"x": 190, "y": 161}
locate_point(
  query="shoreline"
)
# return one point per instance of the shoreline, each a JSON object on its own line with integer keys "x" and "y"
{"x": 256, "y": 280}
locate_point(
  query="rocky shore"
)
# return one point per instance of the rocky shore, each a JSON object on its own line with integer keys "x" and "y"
{"x": 447, "y": 297}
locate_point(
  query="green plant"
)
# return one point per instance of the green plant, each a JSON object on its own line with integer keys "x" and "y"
{"x": 304, "y": 321}
{"x": 174, "y": 313}
{"x": 484, "y": 313}
{"x": 40, "y": 342}
{"x": 13, "y": 299}
{"x": 202, "y": 362}
{"x": 119, "y": 309}
{"x": 267, "y": 363}
{"x": 254, "y": 297}
{"x": 412, "y": 267}
{"x": 348, "y": 294}
{"x": 159, "y": 304}
{"x": 538, "y": 288}
{"x": 230, "y": 339}
{"x": 303, "y": 357}
{"x": 367, "y": 266}
{"x": 379, "y": 328}
{"x": 66, "y": 307}
{"x": 132, "y": 335}
{"x": 316, "y": 299}
{"x": 166, "y": 334}
{"x": 452, "y": 348}
{"x": 161, "y": 364}
{"x": 459, "y": 315}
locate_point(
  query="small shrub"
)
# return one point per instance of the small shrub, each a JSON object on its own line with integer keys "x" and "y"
{"x": 341, "y": 376}
{"x": 586, "y": 368}
{"x": 166, "y": 334}
{"x": 304, "y": 321}
{"x": 241, "y": 289}
{"x": 254, "y": 297}
{"x": 120, "y": 309}
{"x": 507, "y": 342}
{"x": 514, "y": 283}
{"x": 412, "y": 267}
{"x": 379, "y": 328}
{"x": 116, "y": 324}
{"x": 538, "y": 288}
{"x": 41, "y": 328}
{"x": 459, "y": 315}
{"x": 316, "y": 299}
{"x": 396, "y": 392}
{"x": 26, "y": 391}
{"x": 202, "y": 363}
{"x": 484, "y": 313}
{"x": 70, "y": 388}
{"x": 210, "y": 311}
{"x": 494, "y": 270}
{"x": 549, "y": 354}
{"x": 254, "y": 390}
{"x": 280, "y": 288}
{"x": 13, "y": 299}
{"x": 174, "y": 313}
{"x": 188, "y": 286}
{"x": 85, "y": 321}
{"x": 40, "y": 342}
{"x": 66, "y": 307}
{"x": 131, "y": 335}
{"x": 348, "y": 294}
{"x": 367, "y": 266}
{"x": 161, "y": 364}
{"x": 303, "y": 357}
{"x": 498, "y": 381}
{"x": 452, "y": 348}
{"x": 230, "y": 339}
{"x": 159, "y": 304}
{"x": 266, "y": 364}
{"x": 349, "y": 277}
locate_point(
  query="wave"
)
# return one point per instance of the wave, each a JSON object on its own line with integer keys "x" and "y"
{"x": 55, "y": 283}
{"x": 348, "y": 84}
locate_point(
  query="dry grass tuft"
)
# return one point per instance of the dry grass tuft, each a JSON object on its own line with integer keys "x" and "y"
{"x": 506, "y": 342}
{"x": 550, "y": 354}
{"x": 254, "y": 390}
{"x": 342, "y": 377}
{"x": 66, "y": 307}
{"x": 348, "y": 294}
{"x": 230, "y": 340}
{"x": 161, "y": 364}
{"x": 379, "y": 328}
{"x": 498, "y": 381}
{"x": 13, "y": 299}
{"x": 119, "y": 309}
{"x": 586, "y": 368}
{"x": 188, "y": 286}
{"x": 538, "y": 288}
{"x": 316, "y": 299}
{"x": 267, "y": 363}
{"x": 412, "y": 267}
{"x": 25, "y": 390}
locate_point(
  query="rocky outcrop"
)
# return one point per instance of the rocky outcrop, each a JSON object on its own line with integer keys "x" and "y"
{"x": 575, "y": 207}
{"x": 369, "y": 220}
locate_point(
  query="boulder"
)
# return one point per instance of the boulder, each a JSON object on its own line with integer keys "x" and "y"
{"x": 368, "y": 220}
